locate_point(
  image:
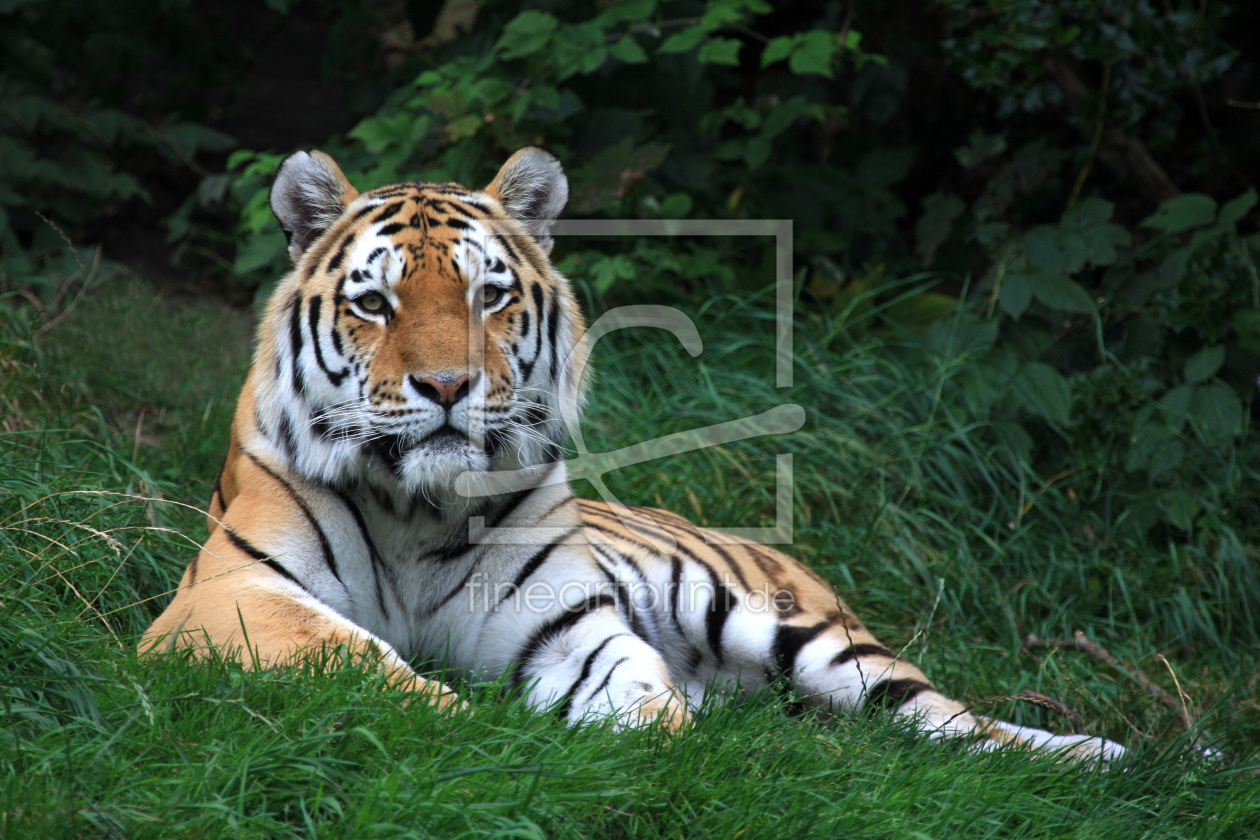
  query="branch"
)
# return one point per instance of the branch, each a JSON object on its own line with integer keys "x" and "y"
{"x": 1080, "y": 642}
{"x": 1127, "y": 158}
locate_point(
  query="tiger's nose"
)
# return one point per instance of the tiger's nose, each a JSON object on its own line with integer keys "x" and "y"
{"x": 444, "y": 390}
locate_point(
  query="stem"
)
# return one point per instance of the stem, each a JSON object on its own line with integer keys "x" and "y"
{"x": 1096, "y": 140}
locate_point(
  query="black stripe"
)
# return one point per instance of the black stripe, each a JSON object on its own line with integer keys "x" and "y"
{"x": 553, "y": 325}
{"x": 217, "y": 487}
{"x": 385, "y": 212}
{"x": 557, "y": 505}
{"x": 378, "y": 565}
{"x": 608, "y": 553}
{"x": 854, "y": 651}
{"x": 632, "y": 615}
{"x": 618, "y": 535}
{"x": 541, "y": 637}
{"x": 536, "y": 293}
{"x": 325, "y": 547}
{"x": 295, "y": 345}
{"x": 287, "y": 439}
{"x": 789, "y": 639}
{"x": 720, "y": 606}
{"x": 731, "y": 565}
{"x": 768, "y": 567}
{"x": 639, "y": 621}
{"x": 459, "y": 587}
{"x": 893, "y": 694}
{"x": 335, "y": 332}
{"x": 562, "y": 711}
{"x": 335, "y": 262}
{"x": 247, "y": 547}
{"x": 389, "y": 449}
{"x": 507, "y": 246}
{"x": 534, "y": 562}
{"x": 608, "y": 676}
{"x": 788, "y": 642}
{"x": 335, "y": 377}
{"x": 391, "y": 229}
{"x": 675, "y": 585}
{"x": 631, "y": 524}
{"x": 505, "y": 510}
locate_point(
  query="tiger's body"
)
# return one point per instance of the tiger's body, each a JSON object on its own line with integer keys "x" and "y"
{"x": 423, "y": 336}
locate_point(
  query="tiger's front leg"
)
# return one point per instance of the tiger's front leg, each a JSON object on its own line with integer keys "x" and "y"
{"x": 247, "y": 592}
{"x": 583, "y": 661}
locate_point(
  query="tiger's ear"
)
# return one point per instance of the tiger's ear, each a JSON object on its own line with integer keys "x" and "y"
{"x": 309, "y": 194}
{"x": 533, "y": 189}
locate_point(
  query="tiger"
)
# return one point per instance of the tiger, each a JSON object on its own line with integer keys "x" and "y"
{"x": 395, "y": 490}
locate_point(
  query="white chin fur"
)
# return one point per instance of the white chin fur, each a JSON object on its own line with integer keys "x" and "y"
{"x": 434, "y": 469}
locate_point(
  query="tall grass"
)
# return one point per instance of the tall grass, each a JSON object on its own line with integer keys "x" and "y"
{"x": 949, "y": 547}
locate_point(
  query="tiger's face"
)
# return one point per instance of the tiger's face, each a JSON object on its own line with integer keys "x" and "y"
{"x": 423, "y": 332}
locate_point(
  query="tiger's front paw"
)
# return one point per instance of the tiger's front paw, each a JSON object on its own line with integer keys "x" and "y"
{"x": 430, "y": 691}
{"x": 669, "y": 712}
{"x": 442, "y": 696}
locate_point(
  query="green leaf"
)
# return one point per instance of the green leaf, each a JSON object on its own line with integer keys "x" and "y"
{"x": 1176, "y": 404}
{"x": 464, "y": 127}
{"x": 1013, "y": 437}
{"x": 1058, "y": 292}
{"x": 683, "y": 40}
{"x": 260, "y": 251}
{"x": 885, "y": 166}
{"x": 919, "y": 311}
{"x": 526, "y": 34}
{"x": 814, "y": 54}
{"x": 1183, "y": 213}
{"x": 1088, "y": 213}
{"x": 628, "y": 51}
{"x": 607, "y": 271}
{"x": 962, "y": 336}
{"x": 1236, "y": 208}
{"x": 1246, "y": 323}
{"x": 193, "y": 137}
{"x": 1217, "y": 413}
{"x": 934, "y": 226}
{"x": 627, "y": 11}
{"x": 757, "y": 152}
{"x": 720, "y": 51}
{"x": 1102, "y": 241}
{"x": 1055, "y": 250}
{"x": 578, "y": 49}
{"x": 1016, "y": 294}
{"x": 490, "y": 90}
{"x": 1181, "y": 508}
{"x": 717, "y": 15}
{"x": 980, "y": 147}
{"x": 1204, "y": 364}
{"x": 778, "y": 49}
{"x": 1045, "y": 390}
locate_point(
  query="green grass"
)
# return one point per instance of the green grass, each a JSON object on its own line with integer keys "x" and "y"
{"x": 946, "y": 546}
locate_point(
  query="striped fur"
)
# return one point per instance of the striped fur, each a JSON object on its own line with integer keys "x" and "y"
{"x": 421, "y": 336}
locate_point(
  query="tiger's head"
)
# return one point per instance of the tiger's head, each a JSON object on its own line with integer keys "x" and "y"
{"x": 422, "y": 332}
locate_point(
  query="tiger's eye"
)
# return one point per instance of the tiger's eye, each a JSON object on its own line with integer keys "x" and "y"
{"x": 491, "y": 295}
{"x": 372, "y": 302}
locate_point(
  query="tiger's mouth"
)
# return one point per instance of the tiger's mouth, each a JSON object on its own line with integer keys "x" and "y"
{"x": 392, "y": 448}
